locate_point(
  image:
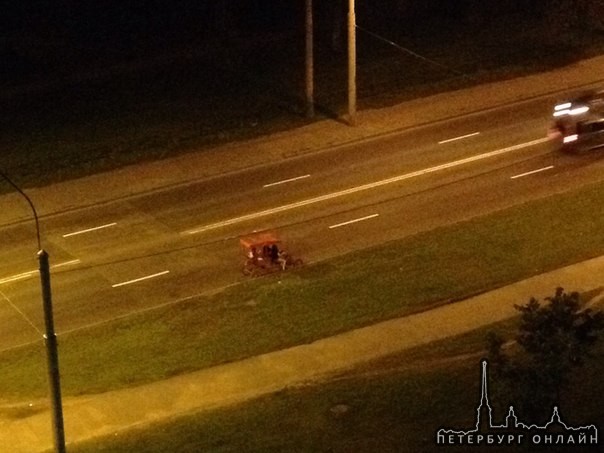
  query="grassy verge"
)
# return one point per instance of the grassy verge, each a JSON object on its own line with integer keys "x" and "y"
{"x": 392, "y": 405}
{"x": 399, "y": 278}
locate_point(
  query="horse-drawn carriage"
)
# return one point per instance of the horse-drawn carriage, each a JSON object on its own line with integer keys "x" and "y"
{"x": 265, "y": 253}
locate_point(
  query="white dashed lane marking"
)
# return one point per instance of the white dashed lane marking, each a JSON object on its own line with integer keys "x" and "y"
{"x": 285, "y": 181}
{"x": 461, "y": 137}
{"x": 360, "y": 219}
{"x": 140, "y": 279}
{"x": 539, "y": 170}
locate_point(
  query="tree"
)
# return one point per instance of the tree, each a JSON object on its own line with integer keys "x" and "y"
{"x": 554, "y": 339}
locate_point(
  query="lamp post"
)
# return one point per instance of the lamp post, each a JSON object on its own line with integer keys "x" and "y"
{"x": 309, "y": 65}
{"x": 352, "y": 65}
{"x": 50, "y": 338}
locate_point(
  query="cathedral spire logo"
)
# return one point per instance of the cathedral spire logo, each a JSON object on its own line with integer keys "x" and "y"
{"x": 513, "y": 431}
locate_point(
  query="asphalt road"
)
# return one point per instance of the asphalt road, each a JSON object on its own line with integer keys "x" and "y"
{"x": 132, "y": 254}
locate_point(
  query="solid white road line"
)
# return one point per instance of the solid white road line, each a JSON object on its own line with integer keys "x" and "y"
{"x": 28, "y": 274}
{"x": 372, "y": 185}
{"x": 461, "y": 137}
{"x": 90, "y": 229}
{"x": 532, "y": 172}
{"x": 286, "y": 181}
{"x": 360, "y": 219}
{"x": 147, "y": 277}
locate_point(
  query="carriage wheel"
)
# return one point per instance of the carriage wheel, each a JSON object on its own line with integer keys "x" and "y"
{"x": 249, "y": 269}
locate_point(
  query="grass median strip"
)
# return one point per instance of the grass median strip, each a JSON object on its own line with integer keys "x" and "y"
{"x": 351, "y": 291}
{"x": 395, "y": 413}
{"x": 391, "y": 405}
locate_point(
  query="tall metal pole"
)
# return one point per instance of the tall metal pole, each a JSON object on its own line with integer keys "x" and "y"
{"x": 52, "y": 353}
{"x": 310, "y": 102}
{"x": 352, "y": 65}
{"x": 50, "y": 338}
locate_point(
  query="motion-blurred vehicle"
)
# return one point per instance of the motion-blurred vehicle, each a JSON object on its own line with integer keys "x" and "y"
{"x": 265, "y": 253}
{"x": 579, "y": 122}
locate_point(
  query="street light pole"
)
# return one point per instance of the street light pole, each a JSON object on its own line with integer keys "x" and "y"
{"x": 309, "y": 73}
{"x": 52, "y": 353}
{"x": 352, "y": 65}
{"x": 50, "y": 338}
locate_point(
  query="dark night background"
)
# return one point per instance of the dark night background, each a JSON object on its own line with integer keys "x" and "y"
{"x": 91, "y": 85}
{"x": 40, "y": 36}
